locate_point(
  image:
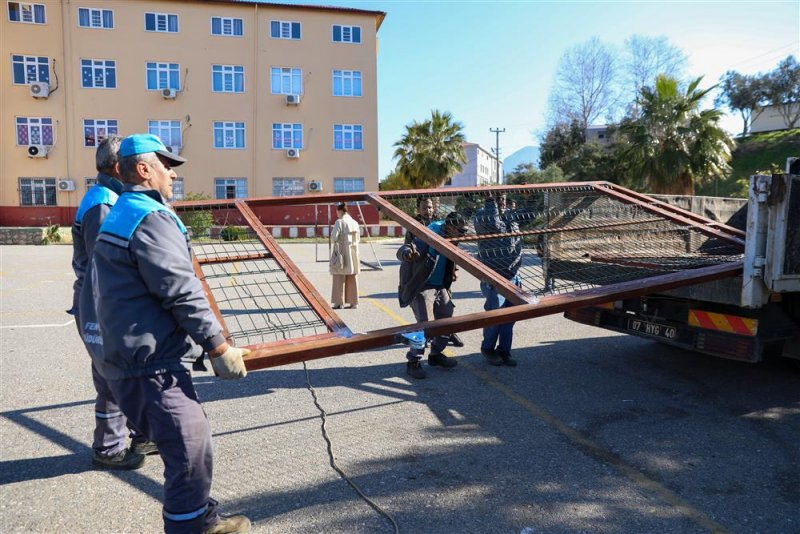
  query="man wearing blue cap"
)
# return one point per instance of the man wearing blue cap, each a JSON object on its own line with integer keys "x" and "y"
{"x": 155, "y": 322}
{"x": 111, "y": 426}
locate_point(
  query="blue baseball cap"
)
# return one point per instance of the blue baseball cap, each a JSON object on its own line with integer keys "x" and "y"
{"x": 144, "y": 143}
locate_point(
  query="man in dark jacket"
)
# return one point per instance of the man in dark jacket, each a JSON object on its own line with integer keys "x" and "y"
{"x": 155, "y": 321}
{"x": 504, "y": 256}
{"x": 425, "y": 280}
{"x": 111, "y": 426}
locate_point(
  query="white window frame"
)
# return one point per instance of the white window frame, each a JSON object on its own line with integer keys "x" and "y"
{"x": 166, "y": 17}
{"x": 33, "y": 122}
{"x": 92, "y": 12}
{"x": 348, "y": 131}
{"x": 222, "y": 21}
{"x": 171, "y": 127}
{"x": 99, "y": 123}
{"x": 99, "y": 65}
{"x": 285, "y": 24}
{"x": 287, "y": 129}
{"x": 239, "y": 185}
{"x": 178, "y": 189}
{"x": 30, "y": 9}
{"x": 352, "y": 76}
{"x": 27, "y": 61}
{"x": 40, "y": 187}
{"x": 291, "y": 74}
{"x": 228, "y": 74}
{"x": 228, "y": 128}
{"x": 342, "y": 32}
{"x": 349, "y": 184}
{"x": 162, "y": 67}
{"x": 285, "y": 187}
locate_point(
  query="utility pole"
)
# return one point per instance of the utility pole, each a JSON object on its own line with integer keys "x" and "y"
{"x": 497, "y": 132}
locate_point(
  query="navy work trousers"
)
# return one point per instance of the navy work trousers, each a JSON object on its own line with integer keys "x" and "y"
{"x": 165, "y": 408}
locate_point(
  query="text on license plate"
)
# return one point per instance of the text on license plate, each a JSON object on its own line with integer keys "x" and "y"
{"x": 652, "y": 329}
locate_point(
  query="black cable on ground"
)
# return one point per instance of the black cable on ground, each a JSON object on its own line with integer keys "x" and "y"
{"x": 324, "y": 417}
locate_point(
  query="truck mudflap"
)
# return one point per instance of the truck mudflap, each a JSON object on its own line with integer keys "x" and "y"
{"x": 726, "y": 336}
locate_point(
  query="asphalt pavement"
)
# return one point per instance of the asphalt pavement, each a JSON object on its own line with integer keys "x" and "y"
{"x": 593, "y": 432}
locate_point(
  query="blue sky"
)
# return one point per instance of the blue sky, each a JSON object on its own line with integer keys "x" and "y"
{"x": 491, "y": 64}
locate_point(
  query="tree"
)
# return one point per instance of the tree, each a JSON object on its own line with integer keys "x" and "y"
{"x": 673, "y": 143}
{"x": 783, "y": 90}
{"x": 742, "y": 93}
{"x": 647, "y": 57}
{"x": 583, "y": 89}
{"x": 559, "y": 142}
{"x": 430, "y": 152}
{"x": 527, "y": 173}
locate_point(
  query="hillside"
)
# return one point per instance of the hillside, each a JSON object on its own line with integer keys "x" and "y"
{"x": 758, "y": 152}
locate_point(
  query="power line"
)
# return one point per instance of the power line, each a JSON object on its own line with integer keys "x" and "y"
{"x": 497, "y": 132}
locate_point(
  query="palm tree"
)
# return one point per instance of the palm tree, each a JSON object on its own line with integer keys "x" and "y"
{"x": 430, "y": 152}
{"x": 673, "y": 143}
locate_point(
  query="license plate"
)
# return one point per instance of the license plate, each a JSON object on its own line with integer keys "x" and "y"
{"x": 652, "y": 329}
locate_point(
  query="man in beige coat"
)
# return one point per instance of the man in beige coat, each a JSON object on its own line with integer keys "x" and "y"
{"x": 344, "y": 264}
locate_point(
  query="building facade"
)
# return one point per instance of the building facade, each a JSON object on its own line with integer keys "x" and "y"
{"x": 263, "y": 99}
{"x": 769, "y": 119}
{"x": 480, "y": 168}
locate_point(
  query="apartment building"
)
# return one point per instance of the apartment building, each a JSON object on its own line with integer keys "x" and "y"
{"x": 263, "y": 99}
{"x": 479, "y": 169}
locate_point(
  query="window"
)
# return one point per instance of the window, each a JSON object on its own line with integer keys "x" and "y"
{"x": 34, "y": 131}
{"x": 230, "y": 188}
{"x": 228, "y": 135}
{"x": 160, "y": 22}
{"x": 227, "y": 78}
{"x": 89, "y": 182}
{"x": 346, "y": 34}
{"x": 95, "y": 18}
{"x": 287, "y": 81}
{"x": 37, "y": 191}
{"x": 163, "y": 76}
{"x": 285, "y": 187}
{"x": 287, "y": 135}
{"x": 226, "y": 26}
{"x": 177, "y": 189}
{"x": 98, "y": 73}
{"x": 347, "y": 83}
{"x": 168, "y": 131}
{"x": 29, "y": 69}
{"x": 347, "y": 137}
{"x": 95, "y": 130}
{"x": 25, "y": 12}
{"x": 281, "y": 29}
{"x": 348, "y": 185}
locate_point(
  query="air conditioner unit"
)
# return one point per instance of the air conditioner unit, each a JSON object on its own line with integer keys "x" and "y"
{"x": 315, "y": 186}
{"x": 37, "y": 151}
{"x": 40, "y": 89}
{"x": 169, "y": 93}
{"x": 293, "y": 153}
{"x": 66, "y": 185}
{"x": 292, "y": 100}
{"x": 175, "y": 149}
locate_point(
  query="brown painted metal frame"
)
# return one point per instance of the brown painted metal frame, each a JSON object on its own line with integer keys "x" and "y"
{"x": 340, "y": 340}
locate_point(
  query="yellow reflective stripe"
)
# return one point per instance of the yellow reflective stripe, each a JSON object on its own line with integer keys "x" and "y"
{"x": 726, "y": 323}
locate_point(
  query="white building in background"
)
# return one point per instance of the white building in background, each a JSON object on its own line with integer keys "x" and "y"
{"x": 480, "y": 168}
{"x": 769, "y": 119}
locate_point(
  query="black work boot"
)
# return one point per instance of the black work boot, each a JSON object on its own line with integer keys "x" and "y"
{"x": 506, "y": 358}
{"x": 456, "y": 340}
{"x": 232, "y": 524}
{"x": 441, "y": 360}
{"x": 144, "y": 447}
{"x": 414, "y": 369}
{"x": 124, "y": 459}
{"x": 492, "y": 357}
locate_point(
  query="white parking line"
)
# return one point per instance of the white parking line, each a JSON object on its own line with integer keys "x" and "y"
{"x": 39, "y": 325}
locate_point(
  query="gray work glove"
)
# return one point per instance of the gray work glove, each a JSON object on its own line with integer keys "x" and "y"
{"x": 229, "y": 365}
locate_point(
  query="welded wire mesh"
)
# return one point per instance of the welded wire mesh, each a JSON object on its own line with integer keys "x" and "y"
{"x": 563, "y": 238}
{"x": 258, "y": 302}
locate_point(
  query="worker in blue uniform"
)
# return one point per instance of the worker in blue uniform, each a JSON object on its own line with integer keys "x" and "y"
{"x": 155, "y": 322}
{"x": 111, "y": 426}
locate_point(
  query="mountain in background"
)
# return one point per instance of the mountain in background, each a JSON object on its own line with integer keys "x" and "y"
{"x": 528, "y": 154}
